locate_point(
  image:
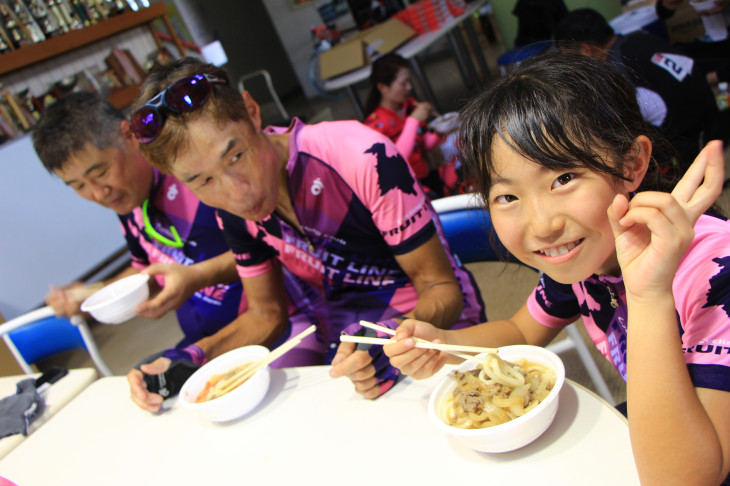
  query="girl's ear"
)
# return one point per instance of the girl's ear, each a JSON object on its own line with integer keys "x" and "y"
{"x": 637, "y": 163}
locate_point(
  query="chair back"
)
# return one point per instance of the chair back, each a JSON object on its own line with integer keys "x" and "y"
{"x": 282, "y": 118}
{"x": 46, "y": 337}
{"x": 39, "y": 334}
{"x": 468, "y": 229}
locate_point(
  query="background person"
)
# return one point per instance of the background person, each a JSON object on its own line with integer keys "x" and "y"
{"x": 713, "y": 56}
{"x": 392, "y": 111}
{"x": 673, "y": 93}
{"x": 563, "y": 158}
{"x": 327, "y": 214}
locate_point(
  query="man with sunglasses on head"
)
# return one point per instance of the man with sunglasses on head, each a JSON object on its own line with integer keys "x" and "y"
{"x": 328, "y": 215}
{"x": 171, "y": 235}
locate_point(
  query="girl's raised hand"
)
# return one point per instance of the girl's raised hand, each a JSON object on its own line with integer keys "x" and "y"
{"x": 653, "y": 230}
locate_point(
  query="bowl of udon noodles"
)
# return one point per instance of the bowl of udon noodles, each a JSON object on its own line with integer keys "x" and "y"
{"x": 215, "y": 392}
{"x": 502, "y": 402}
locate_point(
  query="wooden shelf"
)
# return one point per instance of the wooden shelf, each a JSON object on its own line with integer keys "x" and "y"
{"x": 34, "y": 53}
{"x": 124, "y": 96}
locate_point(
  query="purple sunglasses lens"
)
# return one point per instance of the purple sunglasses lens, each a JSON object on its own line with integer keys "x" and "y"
{"x": 188, "y": 94}
{"x": 146, "y": 124}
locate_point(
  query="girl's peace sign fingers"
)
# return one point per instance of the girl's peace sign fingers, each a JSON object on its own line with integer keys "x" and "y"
{"x": 701, "y": 185}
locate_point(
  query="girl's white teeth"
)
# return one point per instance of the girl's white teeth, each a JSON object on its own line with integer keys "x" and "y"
{"x": 559, "y": 250}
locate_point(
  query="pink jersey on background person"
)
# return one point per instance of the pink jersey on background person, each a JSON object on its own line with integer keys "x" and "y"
{"x": 171, "y": 204}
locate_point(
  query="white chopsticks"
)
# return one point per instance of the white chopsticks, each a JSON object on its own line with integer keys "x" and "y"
{"x": 249, "y": 369}
{"x": 455, "y": 349}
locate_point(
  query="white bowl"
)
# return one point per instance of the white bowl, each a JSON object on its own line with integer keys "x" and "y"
{"x": 239, "y": 401}
{"x": 517, "y": 432}
{"x": 116, "y": 302}
{"x": 445, "y": 123}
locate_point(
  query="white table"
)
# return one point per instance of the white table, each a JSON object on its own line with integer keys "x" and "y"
{"x": 311, "y": 430}
{"x": 56, "y": 397}
{"x": 415, "y": 46}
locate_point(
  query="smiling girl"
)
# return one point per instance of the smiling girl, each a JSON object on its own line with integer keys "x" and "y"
{"x": 563, "y": 160}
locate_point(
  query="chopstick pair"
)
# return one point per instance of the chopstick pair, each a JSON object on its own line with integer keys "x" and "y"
{"x": 454, "y": 349}
{"x": 249, "y": 369}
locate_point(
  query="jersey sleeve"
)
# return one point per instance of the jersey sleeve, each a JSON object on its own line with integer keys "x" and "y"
{"x": 406, "y": 142}
{"x": 253, "y": 256}
{"x": 702, "y": 297}
{"x": 553, "y": 304}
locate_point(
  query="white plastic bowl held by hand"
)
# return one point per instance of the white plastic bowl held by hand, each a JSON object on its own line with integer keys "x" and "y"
{"x": 116, "y": 302}
{"x": 519, "y": 431}
{"x": 239, "y": 401}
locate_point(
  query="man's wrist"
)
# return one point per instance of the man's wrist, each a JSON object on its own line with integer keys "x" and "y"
{"x": 192, "y": 353}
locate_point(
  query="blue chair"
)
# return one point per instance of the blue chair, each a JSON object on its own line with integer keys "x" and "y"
{"x": 39, "y": 334}
{"x": 513, "y": 57}
{"x": 466, "y": 227}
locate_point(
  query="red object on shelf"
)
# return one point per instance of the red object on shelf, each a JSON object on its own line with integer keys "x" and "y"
{"x": 186, "y": 44}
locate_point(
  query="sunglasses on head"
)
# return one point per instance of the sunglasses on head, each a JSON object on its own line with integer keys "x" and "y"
{"x": 183, "y": 96}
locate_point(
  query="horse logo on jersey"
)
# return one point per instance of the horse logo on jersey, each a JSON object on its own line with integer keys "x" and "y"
{"x": 719, "y": 293}
{"x": 392, "y": 170}
{"x": 317, "y": 186}
{"x": 172, "y": 192}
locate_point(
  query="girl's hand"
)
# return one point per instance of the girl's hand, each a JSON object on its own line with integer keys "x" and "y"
{"x": 654, "y": 229}
{"x": 415, "y": 362}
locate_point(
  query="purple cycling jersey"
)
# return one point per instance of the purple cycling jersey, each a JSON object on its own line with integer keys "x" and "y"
{"x": 701, "y": 298}
{"x": 359, "y": 206}
{"x": 173, "y": 204}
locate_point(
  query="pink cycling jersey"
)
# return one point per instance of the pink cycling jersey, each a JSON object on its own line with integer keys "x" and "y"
{"x": 172, "y": 204}
{"x": 359, "y": 206}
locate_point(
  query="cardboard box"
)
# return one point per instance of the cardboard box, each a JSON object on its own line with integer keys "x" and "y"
{"x": 685, "y": 25}
{"x": 358, "y": 50}
{"x": 634, "y": 4}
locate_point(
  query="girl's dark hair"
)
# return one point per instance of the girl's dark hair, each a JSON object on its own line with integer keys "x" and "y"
{"x": 561, "y": 111}
{"x": 384, "y": 70}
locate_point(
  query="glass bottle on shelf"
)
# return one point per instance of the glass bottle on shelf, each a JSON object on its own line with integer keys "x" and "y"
{"x": 56, "y": 15}
{"x": 81, "y": 12}
{"x": 69, "y": 16}
{"x": 12, "y": 27}
{"x": 4, "y": 41}
{"x": 112, "y": 7}
{"x": 94, "y": 12}
{"x": 26, "y": 21}
{"x": 45, "y": 21}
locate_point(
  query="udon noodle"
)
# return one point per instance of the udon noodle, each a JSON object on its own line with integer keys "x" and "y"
{"x": 216, "y": 386}
{"x": 496, "y": 392}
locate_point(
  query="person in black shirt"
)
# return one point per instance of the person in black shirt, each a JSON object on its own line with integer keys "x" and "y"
{"x": 672, "y": 91}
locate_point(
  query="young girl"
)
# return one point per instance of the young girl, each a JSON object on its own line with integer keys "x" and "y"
{"x": 562, "y": 157}
{"x": 393, "y": 112}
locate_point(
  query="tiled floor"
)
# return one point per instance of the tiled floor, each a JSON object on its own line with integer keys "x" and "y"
{"x": 504, "y": 286}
